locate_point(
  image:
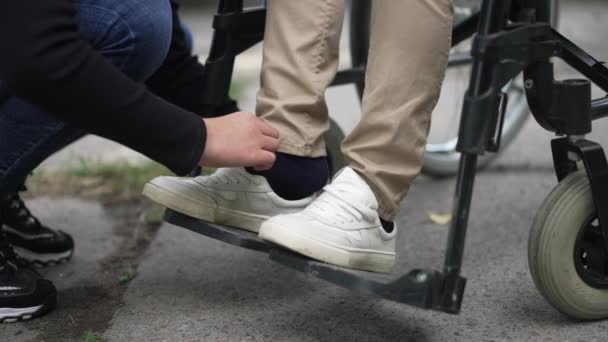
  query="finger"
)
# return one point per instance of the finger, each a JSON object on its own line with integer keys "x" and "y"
{"x": 270, "y": 144}
{"x": 267, "y": 129}
{"x": 262, "y": 167}
{"x": 264, "y": 158}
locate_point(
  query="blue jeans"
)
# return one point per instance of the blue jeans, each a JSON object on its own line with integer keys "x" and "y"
{"x": 133, "y": 34}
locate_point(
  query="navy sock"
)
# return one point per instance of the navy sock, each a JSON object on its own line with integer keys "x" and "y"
{"x": 294, "y": 177}
{"x": 387, "y": 225}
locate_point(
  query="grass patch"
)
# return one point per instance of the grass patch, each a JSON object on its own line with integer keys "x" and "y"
{"x": 90, "y": 336}
{"x": 121, "y": 178}
{"x": 108, "y": 182}
{"x": 128, "y": 275}
{"x": 112, "y": 181}
{"x": 236, "y": 89}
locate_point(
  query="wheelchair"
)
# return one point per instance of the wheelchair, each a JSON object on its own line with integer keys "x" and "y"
{"x": 568, "y": 242}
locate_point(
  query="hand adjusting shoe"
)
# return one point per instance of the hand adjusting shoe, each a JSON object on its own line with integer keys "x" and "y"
{"x": 340, "y": 227}
{"x": 230, "y": 196}
{"x": 32, "y": 240}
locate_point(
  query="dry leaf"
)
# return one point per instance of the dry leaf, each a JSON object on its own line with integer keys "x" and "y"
{"x": 439, "y": 218}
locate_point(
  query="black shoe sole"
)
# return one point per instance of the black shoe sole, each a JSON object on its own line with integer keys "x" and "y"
{"x": 48, "y": 305}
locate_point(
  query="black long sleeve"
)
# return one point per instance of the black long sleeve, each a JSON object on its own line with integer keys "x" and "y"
{"x": 45, "y": 61}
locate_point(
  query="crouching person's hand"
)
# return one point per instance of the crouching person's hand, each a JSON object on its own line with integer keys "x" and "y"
{"x": 240, "y": 139}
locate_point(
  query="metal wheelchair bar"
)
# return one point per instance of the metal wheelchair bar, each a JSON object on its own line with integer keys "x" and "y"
{"x": 580, "y": 60}
{"x": 599, "y": 108}
{"x": 491, "y": 21}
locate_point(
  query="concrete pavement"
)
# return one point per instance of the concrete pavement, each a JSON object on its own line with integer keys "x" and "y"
{"x": 191, "y": 288}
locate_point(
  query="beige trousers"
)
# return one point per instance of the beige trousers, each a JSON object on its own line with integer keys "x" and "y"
{"x": 410, "y": 42}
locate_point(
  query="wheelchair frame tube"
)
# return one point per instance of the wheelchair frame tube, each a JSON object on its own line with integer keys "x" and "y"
{"x": 492, "y": 18}
{"x": 235, "y": 30}
{"x": 220, "y": 39}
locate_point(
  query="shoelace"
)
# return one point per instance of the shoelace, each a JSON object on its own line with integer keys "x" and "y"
{"x": 334, "y": 199}
{"x": 8, "y": 257}
{"x": 18, "y": 208}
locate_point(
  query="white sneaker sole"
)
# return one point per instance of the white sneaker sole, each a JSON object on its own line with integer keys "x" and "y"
{"x": 360, "y": 259}
{"x": 10, "y": 315}
{"x": 202, "y": 210}
{"x": 43, "y": 260}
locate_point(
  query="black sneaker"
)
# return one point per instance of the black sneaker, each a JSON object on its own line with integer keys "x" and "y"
{"x": 36, "y": 243}
{"x": 23, "y": 292}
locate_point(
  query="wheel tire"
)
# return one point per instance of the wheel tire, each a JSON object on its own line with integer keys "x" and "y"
{"x": 551, "y": 250}
{"x": 333, "y": 142}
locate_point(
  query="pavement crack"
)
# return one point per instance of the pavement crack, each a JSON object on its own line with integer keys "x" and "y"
{"x": 90, "y": 306}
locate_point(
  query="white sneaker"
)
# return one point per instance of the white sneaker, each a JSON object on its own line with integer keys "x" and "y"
{"x": 340, "y": 227}
{"x": 231, "y": 197}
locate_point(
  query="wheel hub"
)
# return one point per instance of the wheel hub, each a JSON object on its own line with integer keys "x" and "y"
{"x": 590, "y": 257}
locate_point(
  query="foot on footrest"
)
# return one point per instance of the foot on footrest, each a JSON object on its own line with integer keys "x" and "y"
{"x": 421, "y": 288}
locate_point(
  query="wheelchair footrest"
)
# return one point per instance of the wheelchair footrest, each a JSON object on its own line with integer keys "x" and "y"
{"x": 421, "y": 288}
{"x": 233, "y": 236}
